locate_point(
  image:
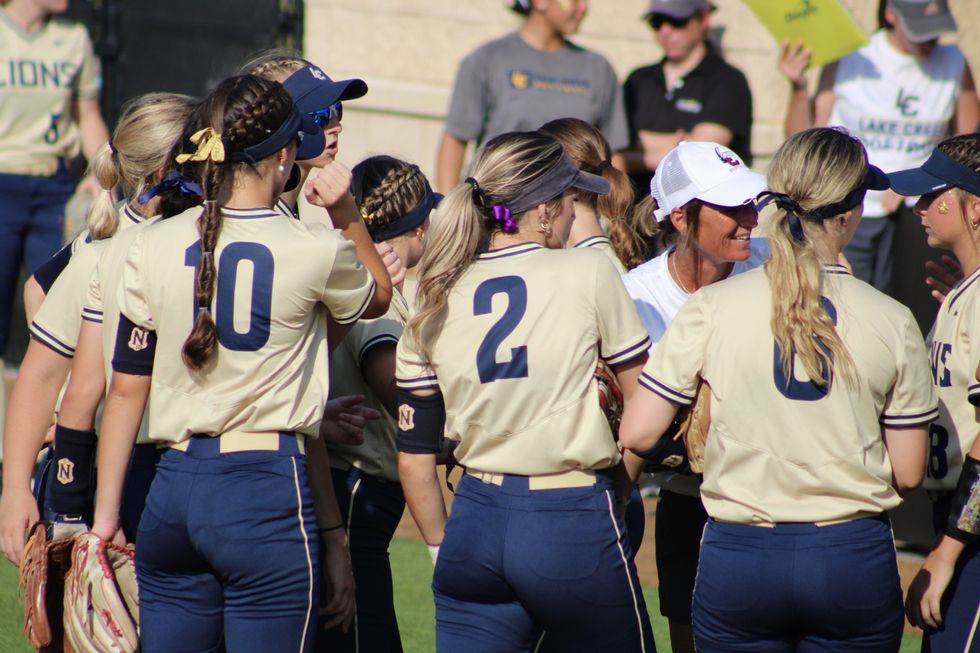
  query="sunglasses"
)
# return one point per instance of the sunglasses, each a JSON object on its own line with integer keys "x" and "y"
{"x": 324, "y": 116}
{"x": 658, "y": 20}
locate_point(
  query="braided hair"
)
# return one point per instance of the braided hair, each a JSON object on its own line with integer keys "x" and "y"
{"x": 243, "y": 111}
{"x": 385, "y": 189}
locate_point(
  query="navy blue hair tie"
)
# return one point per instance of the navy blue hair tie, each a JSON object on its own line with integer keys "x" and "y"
{"x": 173, "y": 180}
{"x": 792, "y": 208}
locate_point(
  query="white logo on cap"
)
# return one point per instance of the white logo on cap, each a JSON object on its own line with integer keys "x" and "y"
{"x": 316, "y": 72}
{"x": 931, "y": 9}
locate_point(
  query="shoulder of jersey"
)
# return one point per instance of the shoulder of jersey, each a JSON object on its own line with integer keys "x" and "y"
{"x": 68, "y": 29}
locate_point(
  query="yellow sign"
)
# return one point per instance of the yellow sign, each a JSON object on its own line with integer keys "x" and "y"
{"x": 823, "y": 25}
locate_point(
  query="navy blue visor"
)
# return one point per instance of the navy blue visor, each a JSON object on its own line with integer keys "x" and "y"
{"x": 297, "y": 126}
{"x": 939, "y": 172}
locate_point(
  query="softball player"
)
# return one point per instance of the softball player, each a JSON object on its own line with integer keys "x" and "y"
{"x": 601, "y": 221}
{"x": 949, "y": 206}
{"x": 50, "y": 106}
{"x": 818, "y": 412}
{"x": 502, "y": 349}
{"x": 136, "y": 160}
{"x": 705, "y": 216}
{"x": 395, "y": 200}
{"x": 316, "y": 95}
{"x": 228, "y": 295}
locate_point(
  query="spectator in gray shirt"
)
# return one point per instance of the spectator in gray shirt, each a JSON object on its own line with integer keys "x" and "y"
{"x": 527, "y": 78}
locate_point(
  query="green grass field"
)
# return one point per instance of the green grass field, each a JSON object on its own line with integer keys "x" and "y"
{"x": 413, "y": 601}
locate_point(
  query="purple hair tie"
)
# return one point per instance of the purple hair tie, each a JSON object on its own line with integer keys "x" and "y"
{"x": 503, "y": 215}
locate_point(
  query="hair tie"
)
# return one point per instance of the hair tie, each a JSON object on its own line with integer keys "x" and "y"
{"x": 503, "y": 215}
{"x": 368, "y": 216}
{"x": 210, "y": 202}
{"x": 604, "y": 165}
{"x": 790, "y": 206}
{"x": 173, "y": 180}
{"x": 476, "y": 193}
{"x": 112, "y": 148}
{"x": 209, "y": 146}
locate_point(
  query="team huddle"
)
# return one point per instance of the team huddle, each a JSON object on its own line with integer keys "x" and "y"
{"x": 248, "y": 393}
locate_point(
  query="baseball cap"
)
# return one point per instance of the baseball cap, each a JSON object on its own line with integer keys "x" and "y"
{"x": 312, "y": 89}
{"x": 923, "y": 20}
{"x": 678, "y": 8}
{"x": 704, "y": 171}
{"x": 939, "y": 172}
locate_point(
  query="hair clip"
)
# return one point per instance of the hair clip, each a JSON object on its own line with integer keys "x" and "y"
{"x": 503, "y": 215}
{"x": 209, "y": 146}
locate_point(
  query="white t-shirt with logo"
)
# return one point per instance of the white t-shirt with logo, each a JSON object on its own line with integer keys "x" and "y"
{"x": 899, "y": 105}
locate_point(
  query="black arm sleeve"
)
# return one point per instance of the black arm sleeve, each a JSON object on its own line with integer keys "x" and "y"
{"x": 135, "y": 348}
{"x": 421, "y": 421}
{"x": 49, "y": 271}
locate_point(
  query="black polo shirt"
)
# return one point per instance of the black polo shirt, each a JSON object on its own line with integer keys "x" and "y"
{"x": 713, "y": 92}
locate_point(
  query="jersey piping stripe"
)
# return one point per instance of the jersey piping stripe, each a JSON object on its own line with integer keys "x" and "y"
{"x": 92, "y": 315}
{"x": 309, "y": 561}
{"x": 919, "y": 419}
{"x": 420, "y": 383}
{"x": 628, "y": 354}
{"x": 510, "y": 250}
{"x": 836, "y": 268}
{"x": 350, "y": 520}
{"x": 973, "y": 394}
{"x": 973, "y": 631}
{"x": 372, "y": 343}
{"x": 360, "y": 310}
{"x": 51, "y": 342}
{"x": 659, "y": 388}
{"x": 593, "y": 241}
{"x": 131, "y": 214}
{"x": 626, "y": 567}
{"x": 961, "y": 289}
{"x": 249, "y": 213}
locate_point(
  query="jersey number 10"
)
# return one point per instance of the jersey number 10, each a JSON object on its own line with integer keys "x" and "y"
{"x": 260, "y": 314}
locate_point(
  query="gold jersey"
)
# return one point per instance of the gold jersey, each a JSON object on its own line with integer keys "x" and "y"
{"x": 41, "y": 76}
{"x": 954, "y": 345}
{"x": 515, "y": 359}
{"x": 269, "y": 371}
{"x": 786, "y": 449}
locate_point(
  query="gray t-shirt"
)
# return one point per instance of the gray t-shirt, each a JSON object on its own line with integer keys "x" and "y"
{"x": 507, "y": 85}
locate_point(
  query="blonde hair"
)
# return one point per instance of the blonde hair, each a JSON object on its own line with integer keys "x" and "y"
{"x": 149, "y": 127}
{"x": 274, "y": 64}
{"x": 814, "y": 168}
{"x": 592, "y": 153}
{"x": 506, "y": 164}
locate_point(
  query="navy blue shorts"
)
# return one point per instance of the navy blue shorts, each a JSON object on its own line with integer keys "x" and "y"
{"x": 516, "y": 563}
{"x": 228, "y": 552}
{"x": 798, "y": 588}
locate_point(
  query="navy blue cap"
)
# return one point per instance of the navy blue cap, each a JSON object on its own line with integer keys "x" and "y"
{"x": 313, "y": 90}
{"x": 939, "y": 172}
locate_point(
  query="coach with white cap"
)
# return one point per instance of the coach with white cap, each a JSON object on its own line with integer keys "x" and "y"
{"x": 703, "y": 199}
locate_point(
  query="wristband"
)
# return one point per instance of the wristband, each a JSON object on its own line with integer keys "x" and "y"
{"x": 964, "y": 513}
{"x": 72, "y": 485}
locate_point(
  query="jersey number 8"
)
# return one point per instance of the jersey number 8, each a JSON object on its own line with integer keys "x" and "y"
{"x": 260, "y": 319}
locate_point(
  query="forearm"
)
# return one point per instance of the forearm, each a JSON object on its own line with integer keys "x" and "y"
{"x": 423, "y": 494}
{"x": 124, "y": 408}
{"x": 348, "y": 220}
{"x": 798, "y": 114}
{"x": 449, "y": 162}
{"x": 86, "y": 385}
{"x": 321, "y": 485}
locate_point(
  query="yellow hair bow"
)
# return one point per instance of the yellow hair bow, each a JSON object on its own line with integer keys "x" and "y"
{"x": 209, "y": 146}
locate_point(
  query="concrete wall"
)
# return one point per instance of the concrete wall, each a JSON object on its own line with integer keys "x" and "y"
{"x": 408, "y": 51}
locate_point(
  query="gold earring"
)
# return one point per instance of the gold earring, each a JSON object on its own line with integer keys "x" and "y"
{"x": 545, "y": 228}
{"x": 976, "y": 225}
{"x": 944, "y": 208}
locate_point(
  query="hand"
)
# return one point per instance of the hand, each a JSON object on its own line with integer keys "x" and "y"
{"x": 943, "y": 276}
{"x": 108, "y": 530}
{"x": 794, "y": 58}
{"x": 926, "y": 591}
{"x": 18, "y": 512}
{"x": 395, "y": 266}
{"x": 330, "y": 186}
{"x": 344, "y": 419}
{"x": 339, "y": 578}
{"x": 891, "y": 200}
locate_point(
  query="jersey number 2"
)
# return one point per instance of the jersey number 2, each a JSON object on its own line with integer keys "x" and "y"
{"x": 793, "y": 388}
{"x": 486, "y": 356}
{"x": 224, "y": 307}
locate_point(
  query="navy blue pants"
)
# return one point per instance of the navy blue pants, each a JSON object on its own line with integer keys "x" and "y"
{"x": 372, "y": 508}
{"x": 228, "y": 552}
{"x": 516, "y": 563}
{"x": 680, "y": 522}
{"x": 139, "y": 476}
{"x": 32, "y": 217}
{"x": 798, "y": 588}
